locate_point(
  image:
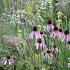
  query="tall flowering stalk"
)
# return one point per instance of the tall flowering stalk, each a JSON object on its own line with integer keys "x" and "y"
{"x": 29, "y": 9}
{"x": 59, "y": 19}
{"x": 20, "y": 39}
{"x": 59, "y": 14}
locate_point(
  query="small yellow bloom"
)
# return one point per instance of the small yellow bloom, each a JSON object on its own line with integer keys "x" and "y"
{"x": 59, "y": 22}
{"x": 59, "y": 14}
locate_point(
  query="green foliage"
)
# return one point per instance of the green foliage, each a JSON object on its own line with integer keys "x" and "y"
{"x": 3, "y": 50}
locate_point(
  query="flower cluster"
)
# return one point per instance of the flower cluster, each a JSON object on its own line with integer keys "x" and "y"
{"x": 51, "y": 52}
{"x": 39, "y": 40}
{"x": 56, "y": 32}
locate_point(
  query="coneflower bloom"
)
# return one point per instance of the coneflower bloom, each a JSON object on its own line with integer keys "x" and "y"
{"x": 48, "y": 54}
{"x": 8, "y": 60}
{"x": 54, "y": 33}
{"x": 39, "y": 35}
{"x": 60, "y": 35}
{"x": 54, "y": 49}
{"x": 66, "y": 35}
{"x": 34, "y": 33}
{"x": 49, "y": 27}
{"x": 39, "y": 44}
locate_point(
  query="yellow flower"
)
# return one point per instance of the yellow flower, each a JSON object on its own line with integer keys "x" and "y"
{"x": 59, "y": 14}
{"x": 29, "y": 8}
{"x": 59, "y": 22}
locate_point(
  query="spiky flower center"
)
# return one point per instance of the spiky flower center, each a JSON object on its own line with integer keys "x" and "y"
{"x": 68, "y": 42}
{"x": 66, "y": 32}
{"x": 60, "y": 30}
{"x": 55, "y": 28}
{"x": 41, "y": 32}
{"x": 8, "y": 57}
{"x": 34, "y": 28}
{"x": 48, "y": 51}
{"x": 54, "y": 46}
{"x": 49, "y": 22}
{"x": 39, "y": 40}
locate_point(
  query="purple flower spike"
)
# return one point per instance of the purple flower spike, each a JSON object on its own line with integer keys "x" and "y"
{"x": 23, "y": 20}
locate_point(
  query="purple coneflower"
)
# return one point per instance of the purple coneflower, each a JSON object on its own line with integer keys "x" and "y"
{"x": 39, "y": 44}
{"x": 54, "y": 33}
{"x": 39, "y": 35}
{"x": 8, "y": 60}
{"x": 48, "y": 54}
{"x": 54, "y": 50}
{"x": 49, "y": 27}
{"x": 66, "y": 35}
{"x": 35, "y": 33}
{"x": 61, "y": 35}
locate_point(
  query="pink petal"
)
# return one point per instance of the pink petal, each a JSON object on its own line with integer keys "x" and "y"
{"x": 31, "y": 35}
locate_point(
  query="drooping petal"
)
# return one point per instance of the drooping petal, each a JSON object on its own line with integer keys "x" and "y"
{"x": 49, "y": 27}
{"x": 9, "y": 61}
{"x": 37, "y": 45}
{"x": 68, "y": 37}
{"x": 38, "y": 35}
{"x": 5, "y": 62}
{"x": 31, "y": 35}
